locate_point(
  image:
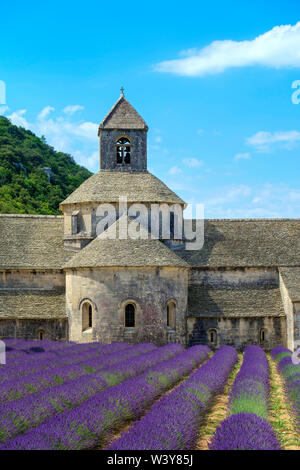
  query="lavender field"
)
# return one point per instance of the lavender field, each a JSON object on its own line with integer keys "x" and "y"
{"x": 61, "y": 396}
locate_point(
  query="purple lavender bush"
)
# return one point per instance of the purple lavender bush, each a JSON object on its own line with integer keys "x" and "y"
{"x": 279, "y": 352}
{"x": 173, "y": 422}
{"x": 247, "y": 427}
{"x": 20, "y": 415}
{"x": 23, "y": 385}
{"x": 20, "y": 350}
{"x": 23, "y": 349}
{"x": 291, "y": 374}
{"x": 53, "y": 359}
{"x": 250, "y": 390}
{"x": 91, "y": 423}
{"x": 244, "y": 431}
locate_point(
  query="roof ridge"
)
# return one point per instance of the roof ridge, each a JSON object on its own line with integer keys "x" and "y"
{"x": 32, "y": 216}
{"x": 258, "y": 219}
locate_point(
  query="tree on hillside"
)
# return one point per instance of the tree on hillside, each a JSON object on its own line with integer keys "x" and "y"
{"x": 25, "y": 186}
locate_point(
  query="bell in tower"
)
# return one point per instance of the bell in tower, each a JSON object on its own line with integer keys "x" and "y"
{"x": 123, "y": 139}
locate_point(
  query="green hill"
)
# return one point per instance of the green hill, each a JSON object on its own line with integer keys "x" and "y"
{"x": 25, "y": 186}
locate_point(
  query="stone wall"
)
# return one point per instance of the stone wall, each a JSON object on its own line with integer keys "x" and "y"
{"x": 289, "y": 311}
{"x": 237, "y": 305}
{"x": 235, "y": 276}
{"x": 109, "y": 289}
{"x": 23, "y": 317}
{"x": 21, "y": 278}
{"x": 56, "y": 329}
{"x": 296, "y": 324}
{"x": 237, "y": 332}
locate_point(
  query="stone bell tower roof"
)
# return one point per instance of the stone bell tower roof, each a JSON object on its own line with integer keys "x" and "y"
{"x": 123, "y": 116}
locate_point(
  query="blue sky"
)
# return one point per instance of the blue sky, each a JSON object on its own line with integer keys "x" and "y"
{"x": 213, "y": 80}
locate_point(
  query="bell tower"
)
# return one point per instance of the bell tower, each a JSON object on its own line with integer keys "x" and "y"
{"x": 123, "y": 139}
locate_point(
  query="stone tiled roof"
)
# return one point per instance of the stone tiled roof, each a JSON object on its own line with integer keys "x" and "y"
{"x": 291, "y": 279}
{"x": 234, "y": 302}
{"x": 128, "y": 252}
{"x": 107, "y": 186}
{"x": 123, "y": 116}
{"x": 247, "y": 242}
{"x": 31, "y": 304}
{"x": 32, "y": 242}
{"x": 36, "y": 242}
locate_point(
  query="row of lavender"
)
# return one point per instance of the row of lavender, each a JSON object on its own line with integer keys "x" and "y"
{"x": 64, "y": 406}
{"x": 246, "y": 427}
{"x": 93, "y": 422}
{"x": 31, "y": 346}
{"x": 19, "y": 357}
{"x": 173, "y": 422}
{"x": 33, "y": 363}
{"x": 22, "y": 414}
{"x": 23, "y": 385}
{"x": 20, "y": 348}
{"x": 291, "y": 373}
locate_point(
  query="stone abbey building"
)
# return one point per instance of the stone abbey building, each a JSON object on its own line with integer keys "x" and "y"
{"x": 60, "y": 280}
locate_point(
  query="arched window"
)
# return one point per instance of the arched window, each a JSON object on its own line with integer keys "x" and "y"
{"x": 123, "y": 151}
{"x": 212, "y": 336}
{"x": 41, "y": 334}
{"x": 130, "y": 316}
{"x": 171, "y": 308}
{"x": 263, "y": 334}
{"x": 87, "y": 316}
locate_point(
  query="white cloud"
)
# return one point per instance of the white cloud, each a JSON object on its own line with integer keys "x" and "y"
{"x": 242, "y": 156}
{"x": 79, "y": 138}
{"x": 200, "y": 131}
{"x": 3, "y": 110}
{"x": 175, "y": 170}
{"x": 17, "y": 118}
{"x": 277, "y": 48}
{"x": 267, "y": 200}
{"x": 230, "y": 195}
{"x": 89, "y": 161}
{"x": 193, "y": 162}
{"x": 59, "y": 129}
{"x": 262, "y": 141}
{"x": 158, "y": 139}
{"x": 71, "y": 109}
{"x": 45, "y": 112}
{"x": 88, "y": 130}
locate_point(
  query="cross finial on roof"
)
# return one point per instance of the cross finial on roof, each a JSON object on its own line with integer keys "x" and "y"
{"x": 122, "y": 91}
